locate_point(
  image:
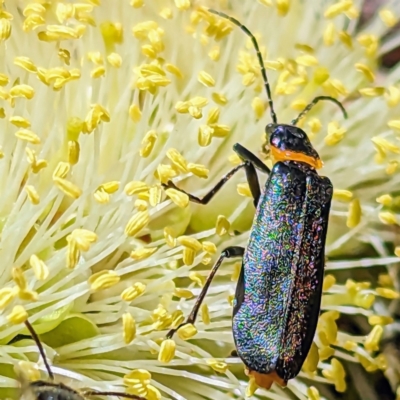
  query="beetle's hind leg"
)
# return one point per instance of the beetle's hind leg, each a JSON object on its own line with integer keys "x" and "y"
{"x": 251, "y": 162}
{"x": 229, "y": 252}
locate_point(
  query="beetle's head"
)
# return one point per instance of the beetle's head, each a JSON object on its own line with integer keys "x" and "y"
{"x": 290, "y": 143}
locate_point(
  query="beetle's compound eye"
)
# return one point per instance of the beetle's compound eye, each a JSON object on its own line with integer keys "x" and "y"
{"x": 269, "y": 129}
{"x": 296, "y": 132}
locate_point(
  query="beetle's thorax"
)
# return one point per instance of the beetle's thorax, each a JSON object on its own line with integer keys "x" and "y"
{"x": 290, "y": 143}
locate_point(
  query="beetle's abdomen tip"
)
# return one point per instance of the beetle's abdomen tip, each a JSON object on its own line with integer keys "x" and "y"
{"x": 265, "y": 381}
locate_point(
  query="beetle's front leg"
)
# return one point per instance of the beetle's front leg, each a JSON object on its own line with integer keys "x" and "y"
{"x": 251, "y": 162}
{"x": 229, "y": 252}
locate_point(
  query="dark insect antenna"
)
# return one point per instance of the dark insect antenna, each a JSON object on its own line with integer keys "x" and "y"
{"x": 87, "y": 393}
{"x": 264, "y": 73}
{"x": 35, "y": 337}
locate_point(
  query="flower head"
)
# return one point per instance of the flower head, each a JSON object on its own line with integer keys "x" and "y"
{"x": 100, "y": 105}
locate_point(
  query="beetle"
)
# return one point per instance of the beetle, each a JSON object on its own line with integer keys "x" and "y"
{"x": 50, "y": 390}
{"x": 278, "y": 294}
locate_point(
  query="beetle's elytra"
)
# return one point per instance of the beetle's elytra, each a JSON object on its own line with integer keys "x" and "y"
{"x": 278, "y": 294}
{"x": 50, "y": 390}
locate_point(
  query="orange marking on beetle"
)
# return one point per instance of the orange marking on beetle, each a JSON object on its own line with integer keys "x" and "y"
{"x": 287, "y": 155}
{"x": 265, "y": 381}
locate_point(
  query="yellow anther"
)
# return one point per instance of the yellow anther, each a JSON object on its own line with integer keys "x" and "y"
{"x": 2, "y": 115}
{"x": 182, "y": 4}
{"x": 103, "y": 280}
{"x": 346, "y": 39}
{"x": 137, "y": 376}
{"x": 18, "y": 315}
{"x": 135, "y": 187}
{"x": 4, "y": 79}
{"x": 394, "y": 124}
{"x": 170, "y": 236}
{"x": 183, "y": 293}
{"x": 336, "y": 374}
{"x": 209, "y": 247}
{"x": 61, "y": 170}
{"x": 248, "y": 78}
{"x": 148, "y": 143}
{"x": 190, "y": 242}
{"x": 195, "y": 112}
{"x": 141, "y": 205}
{"x": 137, "y": 223}
{"x": 329, "y": 281}
{"x": 342, "y": 195}
{"x": 177, "y": 160}
{"x": 166, "y": 13}
{"x": 392, "y": 96}
{"x": 387, "y": 293}
{"x": 388, "y": 17}
{"x": 179, "y": 198}
{"x": 282, "y": 7}
{"x": 311, "y": 363}
{"x": 338, "y": 8}
{"x": 370, "y": 42}
{"x": 20, "y": 122}
{"x": 372, "y": 91}
{"x": 34, "y": 8}
{"x": 98, "y": 72}
{"x": 83, "y": 238}
{"x": 134, "y": 291}
{"x": 335, "y": 88}
{"x": 335, "y": 134}
{"x": 187, "y": 332}
{"x": 40, "y": 269}
{"x": 143, "y": 253}
{"x": 251, "y": 387}
{"x": 114, "y": 59}
{"x": 135, "y": 113}
{"x": 5, "y": 29}
{"x": 28, "y": 295}
{"x": 177, "y": 318}
{"x": 73, "y": 253}
{"x": 385, "y": 199}
{"x": 218, "y": 366}
{"x": 329, "y": 34}
{"x": 19, "y": 278}
{"x": 26, "y": 63}
{"x": 354, "y": 214}
{"x": 220, "y": 130}
{"x": 32, "y": 193}
{"x": 205, "y": 135}
{"x": 206, "y": 79}
{"x": 219, "y": 98}
{"x": 6, "y": 296}
{"x": 315, "y": 125}
{"x": 30, "y": 370}
{"x": 387, "y": 218}
{"x": 237, "y": 267}
{"x": 188, "y": 256}
{"x": 312, "y": 393}
{"x": 384, "y": 145}
{"x": 101, "y": 196}
{"x": 197, "y": 278}
{"x": 214, "y": 53}
{"x": 129, "y": 327}
{"x": 167, "y": 351}
{"x": 392, "y": 167}
{"x": 222, "y": 225}
{"x": 110, "y": 187}
{"x": 27, "y": 135}
{"x": 199, "y": 170}
{"x": 367, "y": 72}
{"x": 67, "y": 187}
{"x": 258, "y": 106}
{"x": 244, "y": 190}
{"x": 380, "y": 320}
{"x": 372, "y": 340}
{"x": 205, "y": 314}
{"x": 22, "y": 91}
{"x": 307, "y": 60}
{"x": 155, "y": 194}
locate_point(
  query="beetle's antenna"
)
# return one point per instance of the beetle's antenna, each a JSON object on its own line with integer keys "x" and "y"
{"x": 88, "y": 393}
{"x": 314, "y": 102}
{"x": 35, "y": 337}
{"x": 259, "y": 56}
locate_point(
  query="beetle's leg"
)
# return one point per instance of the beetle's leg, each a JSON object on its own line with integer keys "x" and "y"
{"x": 234, "y": 354}
{"x": 229, "y": 252}
{"x": 247, "y": 155}
{"x": 250, "y": 163}
{"x": 88, "y": 393}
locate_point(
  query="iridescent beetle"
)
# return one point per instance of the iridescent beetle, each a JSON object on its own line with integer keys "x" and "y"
{"x": 278, "y": 294}
{"x": 50, "y": 390}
